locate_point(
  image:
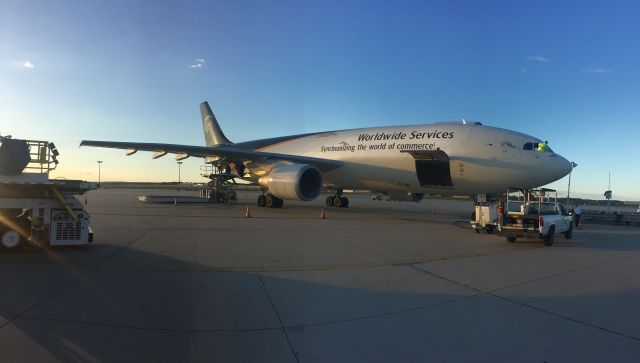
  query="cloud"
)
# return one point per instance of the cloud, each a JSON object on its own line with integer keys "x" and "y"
{"x": 199, "y": 63}
{"x": 538, "y": 58}
{"x": 596, "y": 70}
{"x": 28, "y": 65}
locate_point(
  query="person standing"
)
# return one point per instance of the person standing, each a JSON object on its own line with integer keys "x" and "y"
{"x": 577, "y": 212}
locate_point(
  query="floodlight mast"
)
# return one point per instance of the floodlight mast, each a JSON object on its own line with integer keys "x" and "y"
{"x": 99, "y": 176}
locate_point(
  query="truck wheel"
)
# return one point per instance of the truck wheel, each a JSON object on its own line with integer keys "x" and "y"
{"x": 10, "y": 240}
{"x": 548, "y": 239}
{"x": 511, "y": 239}
{"x": 568, "y": 234}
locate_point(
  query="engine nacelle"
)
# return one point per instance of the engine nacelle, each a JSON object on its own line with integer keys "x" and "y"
{"x": 405, "y": 197}
{"x": 293, "y": 182}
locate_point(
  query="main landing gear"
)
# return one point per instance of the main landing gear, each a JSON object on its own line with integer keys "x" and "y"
{"x": 337, "y": 200}
{"x": 270, "y": 201}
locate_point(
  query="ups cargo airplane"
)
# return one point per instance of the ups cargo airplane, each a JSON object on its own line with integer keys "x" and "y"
{"x": 404, "y": 162}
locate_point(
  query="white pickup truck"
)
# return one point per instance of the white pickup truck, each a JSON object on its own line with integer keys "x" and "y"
{"x": 539, "y": 217}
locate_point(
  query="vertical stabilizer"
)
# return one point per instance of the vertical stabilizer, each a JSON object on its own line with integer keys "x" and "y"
{"x": 213, "y": 135}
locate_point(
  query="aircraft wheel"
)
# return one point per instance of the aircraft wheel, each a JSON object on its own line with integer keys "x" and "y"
{"x": 274, "y": 202}
{"x": 329, "y": 201}
{"x": 337, "y": 202}
{"x": 262, "y": 201}
{"x": 344, "y": 202}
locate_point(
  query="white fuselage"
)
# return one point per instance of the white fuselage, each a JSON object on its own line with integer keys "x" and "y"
{"x": 481, "y": 159}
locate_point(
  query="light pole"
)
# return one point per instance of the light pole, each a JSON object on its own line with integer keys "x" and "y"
{"x": 99, "y": 163}
{"x": 573, "y": 165}
{"x": 179, "y": 163}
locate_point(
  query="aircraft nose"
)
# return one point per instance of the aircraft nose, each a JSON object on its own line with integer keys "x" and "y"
{"x": 563, "y": 166}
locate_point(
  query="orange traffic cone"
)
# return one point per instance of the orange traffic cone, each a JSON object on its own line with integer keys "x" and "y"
{"x": 322, "y": 216}
{"x": 247, "y": 213}
{"x": 434, "y": 210}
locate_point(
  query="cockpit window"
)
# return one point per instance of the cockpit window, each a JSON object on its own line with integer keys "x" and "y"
{"x": 534, "y": 147}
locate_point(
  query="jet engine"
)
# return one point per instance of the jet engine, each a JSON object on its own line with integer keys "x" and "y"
{"x": 293, "y": 182}
{"x": 405, "y": 197}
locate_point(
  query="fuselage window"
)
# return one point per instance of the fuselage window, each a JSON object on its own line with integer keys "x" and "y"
{"x": 528, "y": 146}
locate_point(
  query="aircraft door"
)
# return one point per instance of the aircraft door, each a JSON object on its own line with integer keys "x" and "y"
{"x": 432, "y": 168}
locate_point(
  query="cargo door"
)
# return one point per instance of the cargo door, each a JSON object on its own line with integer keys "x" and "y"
{"x": 432, "y": 168}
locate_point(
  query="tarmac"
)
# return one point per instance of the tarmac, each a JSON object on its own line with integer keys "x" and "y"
{"x": 376, "y": 282}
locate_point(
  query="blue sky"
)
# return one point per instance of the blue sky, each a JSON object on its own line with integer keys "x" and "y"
{"x": 565, "y": 71}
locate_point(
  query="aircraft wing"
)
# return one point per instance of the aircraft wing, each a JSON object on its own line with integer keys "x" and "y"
{"x": 184, "y": 151}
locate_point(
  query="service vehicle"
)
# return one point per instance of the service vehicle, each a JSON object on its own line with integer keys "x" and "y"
{"x": 35, "y": 210}
{"x": 485, "y": 218}
{"x": 535, "y": 214}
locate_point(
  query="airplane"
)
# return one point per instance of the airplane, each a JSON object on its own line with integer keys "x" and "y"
{"x": 404, "y": 162}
